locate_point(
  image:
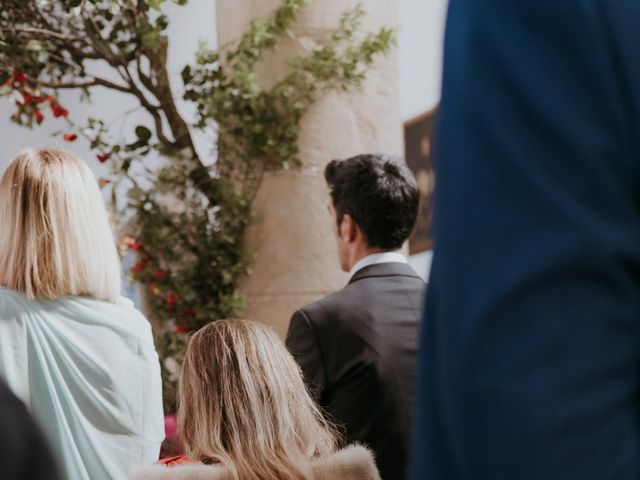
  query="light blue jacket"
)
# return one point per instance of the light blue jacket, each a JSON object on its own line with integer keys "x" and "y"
{"x": 89, "y": 373}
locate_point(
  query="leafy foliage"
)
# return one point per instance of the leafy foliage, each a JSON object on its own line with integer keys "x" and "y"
{"x": 187, "y": 218}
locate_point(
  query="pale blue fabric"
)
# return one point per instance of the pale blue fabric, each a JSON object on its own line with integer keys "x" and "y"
{"x": 89, "y": 372}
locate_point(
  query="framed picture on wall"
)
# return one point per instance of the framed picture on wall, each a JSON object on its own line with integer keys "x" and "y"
{"x": 417, "y": 145}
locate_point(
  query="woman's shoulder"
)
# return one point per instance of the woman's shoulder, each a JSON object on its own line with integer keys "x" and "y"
{"x": 8, "y": 293}
{"x": 173, "y": 461}
{"x": 354, "y": 462}
{"x": 13, "y": 302}
{"x": 122, "y": 312}
{"x": 181, "y": 471}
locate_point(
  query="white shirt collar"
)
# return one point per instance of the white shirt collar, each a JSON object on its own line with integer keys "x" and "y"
{"x": 384, "y": 257}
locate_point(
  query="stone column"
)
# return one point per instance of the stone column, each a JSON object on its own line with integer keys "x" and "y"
{"x": 296, "y": 253}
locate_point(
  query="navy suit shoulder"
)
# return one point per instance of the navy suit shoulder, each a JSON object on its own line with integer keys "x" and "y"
{"x": 531, "y": 340}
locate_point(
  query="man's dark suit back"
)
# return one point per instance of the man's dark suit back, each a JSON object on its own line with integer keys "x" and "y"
{"x": 358, "y": 352}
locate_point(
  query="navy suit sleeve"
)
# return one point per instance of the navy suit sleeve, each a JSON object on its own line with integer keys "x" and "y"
{"x": 302, "y": 343}
{"x": 530, "y": 351}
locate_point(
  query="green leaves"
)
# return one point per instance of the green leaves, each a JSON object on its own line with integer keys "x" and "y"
{"x": 260, "y": 127}
{"x": 149, "y": 33}
{"x": 156, "y": 4}
{"x": 143, "y": 133}
{"x": 188, "y": 217}
{"x": 263, "y": 34}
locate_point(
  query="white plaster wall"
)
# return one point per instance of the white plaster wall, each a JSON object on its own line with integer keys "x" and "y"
{"x": 420, "y": 39}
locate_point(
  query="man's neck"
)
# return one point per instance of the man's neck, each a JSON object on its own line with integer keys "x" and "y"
{"x": 364, "y": 253}
{"x": 379, "y": 256}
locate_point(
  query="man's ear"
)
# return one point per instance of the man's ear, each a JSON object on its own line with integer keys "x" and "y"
{"x": 349, "y": 229}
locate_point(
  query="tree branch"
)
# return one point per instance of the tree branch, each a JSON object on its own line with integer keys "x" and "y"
{"x": 42, "y": 31}
{"x": 86, "y": 84}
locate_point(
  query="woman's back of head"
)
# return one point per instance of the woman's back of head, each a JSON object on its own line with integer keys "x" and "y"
{"x": 55, "y": 238}
{"x": 243, "y": 404}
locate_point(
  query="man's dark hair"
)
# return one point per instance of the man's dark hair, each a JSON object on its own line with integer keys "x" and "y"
{"x": 381, "y": 195}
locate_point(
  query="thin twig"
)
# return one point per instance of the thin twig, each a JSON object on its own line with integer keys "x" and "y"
{"x": 42, "y": 31}
{"x": 86, "y": 84}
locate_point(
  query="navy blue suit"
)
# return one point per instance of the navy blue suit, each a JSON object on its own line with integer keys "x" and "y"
{"x": 530, "y": 354}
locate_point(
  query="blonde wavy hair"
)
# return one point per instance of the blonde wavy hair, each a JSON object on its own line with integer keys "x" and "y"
{"x": 55, "y": 238}
{"x": 244, "y": 406}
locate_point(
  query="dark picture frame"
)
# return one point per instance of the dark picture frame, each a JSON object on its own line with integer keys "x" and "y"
{"x": 418, "y": 141}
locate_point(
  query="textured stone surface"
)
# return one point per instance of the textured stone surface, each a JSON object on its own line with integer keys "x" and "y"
{"x": 275, "y": 310}
{"x": 234, "y": 16}
{"x": 296, "y": 254}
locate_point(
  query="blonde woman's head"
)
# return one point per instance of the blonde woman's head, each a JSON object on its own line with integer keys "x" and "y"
{"x": 243, "y": 404}
{"x": 55, "y": 238}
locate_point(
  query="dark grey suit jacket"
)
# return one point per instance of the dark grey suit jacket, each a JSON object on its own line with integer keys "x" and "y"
{"x": 24, "y": 454}
{"x": 358, "y": 351}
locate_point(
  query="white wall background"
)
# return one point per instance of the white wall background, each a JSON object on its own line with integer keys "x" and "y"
{"x": 420, "y": 35}
{"x": 420, "y": 41}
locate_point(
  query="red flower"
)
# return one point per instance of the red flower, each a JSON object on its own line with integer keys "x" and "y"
{"x": 103, "y": 157}
{"x": 138, "y": 267}
{"x": 182, "y": 329}
{"x": 159, "y": 275}
{"x": 26, "y": 98}
{"x": 38, "y": 116}
{"x": 171, "y": 300}
{"x": 132, "y": 243}
{"x": 188, "y": 313}
{"x": 59, "y": 111}
{"x": 19, "y": 76}
{"x": 70, "y": 137}
{"x": 170, "y": 425}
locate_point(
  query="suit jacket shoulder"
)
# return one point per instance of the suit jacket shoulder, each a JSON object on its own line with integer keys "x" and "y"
{"x": 378, "y": 311}
{"x": 368, "y": 288}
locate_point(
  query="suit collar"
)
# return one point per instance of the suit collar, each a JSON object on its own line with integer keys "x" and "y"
{"x": 382, "y": 257}
{"x": 391, "y": 269}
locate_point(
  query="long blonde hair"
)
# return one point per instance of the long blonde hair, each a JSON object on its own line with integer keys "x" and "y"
{"x": 55, "y": 238}
{"x": 244, "y": 406}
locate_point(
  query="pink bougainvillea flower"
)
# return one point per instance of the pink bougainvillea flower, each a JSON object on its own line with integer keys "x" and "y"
{"x": 171, "y": 300}
{"x": 159, "y": 275}
{"x": 19, "y": 76}
{"x": 182, "y": 329}
{"x": 132, "y": 243}
{"x": 59, "y": 111}
{"x": 170, "y": 425}
{"x": 70, "y": 137}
